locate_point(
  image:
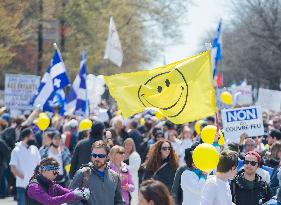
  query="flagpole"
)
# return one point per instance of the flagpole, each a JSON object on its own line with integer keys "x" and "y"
{"x": 209, "y": 47}
{"x": 58, "y": 50}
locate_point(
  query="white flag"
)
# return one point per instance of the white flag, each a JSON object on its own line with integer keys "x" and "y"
{"x": 113, "y": 50}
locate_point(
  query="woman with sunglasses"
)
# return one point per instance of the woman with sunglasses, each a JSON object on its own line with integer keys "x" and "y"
{"x": 42, "y": 188}
{"x": 117, "y": 156}
{"x": 161, "y": 163}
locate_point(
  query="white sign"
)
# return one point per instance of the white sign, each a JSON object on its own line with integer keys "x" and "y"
{"x": 51, "y": 30}
{"x": 242, "y": 120}
{"x": 19, "y": 90}
{"x": 243, "y": 95}
{"x": 2, "y": 96}
{"x": 269, "y": 99}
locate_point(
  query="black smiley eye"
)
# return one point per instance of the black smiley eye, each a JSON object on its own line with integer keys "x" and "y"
{"x": 167, "y": 82}
{"x": 159, "y": 89}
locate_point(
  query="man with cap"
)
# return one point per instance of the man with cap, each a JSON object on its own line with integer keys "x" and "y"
{"x": 82, "y": 151}
{"x": 24, "y": 158}
{"x": 247, "y": 187}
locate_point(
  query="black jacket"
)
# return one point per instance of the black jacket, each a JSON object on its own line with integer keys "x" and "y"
{"x": 176, "y": 188}
{"x": 9, "y": 136}
{"x": 137, "y": 137}
{"x": 81, "y": 154}
{"x": 242, "y": 195}
{"x": 166, "y": 175}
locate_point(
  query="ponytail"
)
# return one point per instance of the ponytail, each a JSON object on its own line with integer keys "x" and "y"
{"x": 35, "y": 173}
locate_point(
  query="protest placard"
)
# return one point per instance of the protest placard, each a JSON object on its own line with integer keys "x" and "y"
{"x": 19, "y": 90}
{"x": 242, "y": 120}
{"x": 2, "y": 95}
{"x": 269, "y": 99}
{"x": 242, "y": 95}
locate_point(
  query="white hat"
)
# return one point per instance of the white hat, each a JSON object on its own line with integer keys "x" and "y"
{"x": 73, "y": 123}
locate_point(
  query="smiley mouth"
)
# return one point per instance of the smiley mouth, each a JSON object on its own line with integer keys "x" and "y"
{"x": 183, "y": 91}
{"x": 165, "y": 108}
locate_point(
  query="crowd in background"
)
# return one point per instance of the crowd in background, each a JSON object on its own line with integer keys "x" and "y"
{"x": 141, "y": 148}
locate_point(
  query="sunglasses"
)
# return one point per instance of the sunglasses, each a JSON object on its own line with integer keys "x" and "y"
{"x": 166, "y": 148}
{"x": 98, "y": 155}
{"x": 253, "y": 163}
{"x": 121, "y": 152}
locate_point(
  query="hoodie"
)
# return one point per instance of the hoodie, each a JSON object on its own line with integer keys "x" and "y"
{"x": 245, "y": 194}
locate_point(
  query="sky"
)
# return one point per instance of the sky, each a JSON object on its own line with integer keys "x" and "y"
{"x": 203, "y": 16}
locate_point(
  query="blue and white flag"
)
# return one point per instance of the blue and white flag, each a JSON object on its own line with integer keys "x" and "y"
{"x": 217, "y": 49}
{"x": 50, "y": 93}
{"x": 76, "y": 99}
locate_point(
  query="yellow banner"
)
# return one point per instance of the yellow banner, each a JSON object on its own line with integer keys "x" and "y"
{"x": 182, "y": 91}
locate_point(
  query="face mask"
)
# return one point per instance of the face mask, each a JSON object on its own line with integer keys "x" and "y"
{"x": 31, "y": 142}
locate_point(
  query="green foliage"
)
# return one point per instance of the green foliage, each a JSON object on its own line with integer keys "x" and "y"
{"x": 144, "y": 27}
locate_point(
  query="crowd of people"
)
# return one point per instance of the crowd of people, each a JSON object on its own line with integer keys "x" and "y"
{"x": 141, "y": 160}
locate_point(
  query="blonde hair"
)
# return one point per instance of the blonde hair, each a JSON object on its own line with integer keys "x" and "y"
{"x": 114, "y": 150}
{"x": 130, "y": 140}
{"x": 275, "y": 149}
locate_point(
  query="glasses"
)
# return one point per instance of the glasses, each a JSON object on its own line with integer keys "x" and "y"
{"x": 98, "y": 155}
{"x": 253, "y": 163}
{"x": 166, "y": 148}
{"x": 121, "y": 152}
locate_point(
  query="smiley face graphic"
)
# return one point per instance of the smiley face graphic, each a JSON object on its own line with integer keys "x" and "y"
{"x": 167, "y": 91}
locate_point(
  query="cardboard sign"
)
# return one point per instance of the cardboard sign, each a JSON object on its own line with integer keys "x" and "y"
{"x": 19, "y": 90}
{"x": 243, "y": 95}
{"x": 2, "y": 96}
{"x": 269, "y": 99}
{"x": 242, "y": 120}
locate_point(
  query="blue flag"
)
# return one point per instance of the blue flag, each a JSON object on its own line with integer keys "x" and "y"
{"x": 76, "y": 99}
{"x": 50, "y": 93}
{"x": 217, "y": 49}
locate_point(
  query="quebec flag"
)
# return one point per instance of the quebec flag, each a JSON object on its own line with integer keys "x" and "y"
{"x": 50, "y": 93}
{"x": 217, "y": 49}
{"x": 76, "y": 99}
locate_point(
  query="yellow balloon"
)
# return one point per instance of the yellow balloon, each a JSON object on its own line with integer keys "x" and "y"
{"x": 142, "y": 121}
{"x": 85, "y": 124}
{"x": 208, "y": 134}
{"x": 159, "y": 115}
{"x": 67, "y": 168}
{"x": 43, "y": 122}
{"x": 205, "y": 157}
{"x": 197, "y": 126}
{"x": 226, "y": 98}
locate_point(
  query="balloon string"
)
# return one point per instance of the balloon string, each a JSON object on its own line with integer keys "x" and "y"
{"x": 217, "y": 122}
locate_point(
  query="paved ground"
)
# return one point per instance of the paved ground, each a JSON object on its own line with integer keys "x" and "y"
{"x": 8, "y": 201}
